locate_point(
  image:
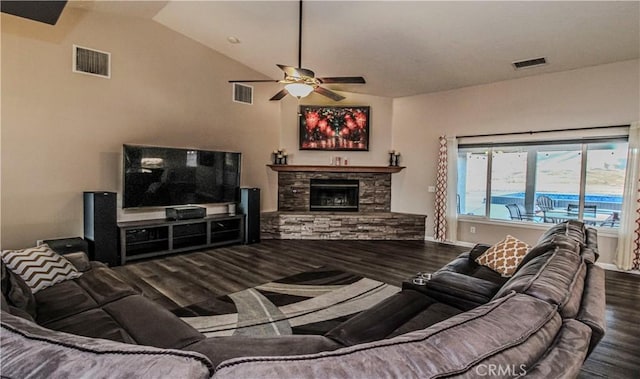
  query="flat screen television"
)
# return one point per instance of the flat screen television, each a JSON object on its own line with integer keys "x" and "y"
{"x": 163, "y": 176}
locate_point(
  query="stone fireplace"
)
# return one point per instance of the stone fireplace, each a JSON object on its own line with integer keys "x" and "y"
{"x": 294, "y": 189}
{"x": 338, "y": 202}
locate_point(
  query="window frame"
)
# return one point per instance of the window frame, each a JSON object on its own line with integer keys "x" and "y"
{"x": 583, "y": 145}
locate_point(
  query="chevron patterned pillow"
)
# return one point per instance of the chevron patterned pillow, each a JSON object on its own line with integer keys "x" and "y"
{"x": 40, "y": 267}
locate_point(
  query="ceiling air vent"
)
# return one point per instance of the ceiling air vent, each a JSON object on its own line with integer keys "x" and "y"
{"x": 242, "y": 93}
{"x": 91, "y": 62}
{"x": 529, "y": 63}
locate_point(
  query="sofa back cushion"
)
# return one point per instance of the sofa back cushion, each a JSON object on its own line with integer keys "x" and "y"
{"x": 514, "y": 330}
{"x": 556, "y": 277}
{"x": 19, "y": 298}
{"x": 29, "y": 350}
{"x": 573, "y": 229}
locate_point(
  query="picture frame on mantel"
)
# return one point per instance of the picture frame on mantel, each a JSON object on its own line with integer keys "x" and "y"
{"x": 334, "y": 128}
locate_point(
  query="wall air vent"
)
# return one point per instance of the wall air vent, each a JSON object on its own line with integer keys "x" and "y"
{"x": 242, "y": 93}
{"x": 91, "y": 62}
{"x": 535, "y": 62}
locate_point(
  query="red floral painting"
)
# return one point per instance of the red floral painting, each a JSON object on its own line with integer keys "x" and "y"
{"x": 334, "y": 128}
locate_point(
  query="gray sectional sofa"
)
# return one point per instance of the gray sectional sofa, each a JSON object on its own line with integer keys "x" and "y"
{"x": 466, "y": 322}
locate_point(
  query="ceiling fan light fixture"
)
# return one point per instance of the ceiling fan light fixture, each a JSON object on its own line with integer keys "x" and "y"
{"x": 299, "y": 90}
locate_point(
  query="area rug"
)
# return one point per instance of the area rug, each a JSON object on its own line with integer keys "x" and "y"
{"x": 308, "y": 303}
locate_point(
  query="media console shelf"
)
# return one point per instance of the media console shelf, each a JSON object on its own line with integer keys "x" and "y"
{"x": 150, "y": 238}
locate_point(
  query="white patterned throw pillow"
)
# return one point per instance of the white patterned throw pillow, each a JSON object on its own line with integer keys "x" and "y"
{"x": 505, "y": 256}
{"x": 40, "y": 267}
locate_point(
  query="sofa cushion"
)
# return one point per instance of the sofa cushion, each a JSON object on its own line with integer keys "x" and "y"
{"x": 478, "y": 250}
{"x": 381, "y": 320}
{"x": 432, "y": 315}
{"x": 94, "y": 288}
{"x": 79, "y": 260}
{"x": 460, "y": 290}
{"x": 40, "y": 267}
{"x": 219, "y": 349}
{"x": 17, "y": 294}
{"x": 95, "y": 323}
{"x": 104, "y": 285}
{"x": 504, "y": 256}
{"x": 464, "y": 264}
{"x": 150, "y": 324}
{"x": 29, "y": 350}
{"x": 516, "y": 329}
{"x": 62, "y": 300}
{"x": 556, "y": 277}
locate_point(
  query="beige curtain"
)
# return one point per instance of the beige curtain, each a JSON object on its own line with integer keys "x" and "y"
{"x": 628, "y": 252}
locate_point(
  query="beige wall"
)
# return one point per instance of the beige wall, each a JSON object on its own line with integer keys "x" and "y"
{"x": 62, "y": 133}
{"x": 596, "y": 96}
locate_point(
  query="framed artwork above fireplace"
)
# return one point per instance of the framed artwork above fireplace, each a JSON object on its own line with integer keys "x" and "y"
{"x": 334, "y": 128}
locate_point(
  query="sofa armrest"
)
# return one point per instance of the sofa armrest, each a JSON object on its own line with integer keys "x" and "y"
{"x": 79, "y": 260}
{"x": 460, "y": 290}
{"x": 592, "y": 308}
{"x": 477, "y": 251}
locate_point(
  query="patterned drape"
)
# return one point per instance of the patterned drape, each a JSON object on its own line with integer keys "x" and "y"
{"x": 440, "y": 216}
{"x": 636, "y": 241}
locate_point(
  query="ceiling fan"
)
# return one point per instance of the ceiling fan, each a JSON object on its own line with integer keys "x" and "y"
{"x": 300, "y": 82}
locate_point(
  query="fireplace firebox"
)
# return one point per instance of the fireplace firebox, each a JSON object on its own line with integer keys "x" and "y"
{"x": 334, "y": 195}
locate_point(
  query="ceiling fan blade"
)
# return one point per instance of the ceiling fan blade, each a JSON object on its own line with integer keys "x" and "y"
{"x": 279, "y": 95}
{"x": 254, "y": 81}
{"x": 296, "y": 72}
{"x": 343, "y": 80}
{"x": 328, "y": 93}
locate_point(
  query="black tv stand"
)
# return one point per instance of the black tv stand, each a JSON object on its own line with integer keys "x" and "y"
{"x": 150, "y": 238}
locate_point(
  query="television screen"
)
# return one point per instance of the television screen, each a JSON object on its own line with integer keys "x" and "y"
{"x": 162, "y": 176}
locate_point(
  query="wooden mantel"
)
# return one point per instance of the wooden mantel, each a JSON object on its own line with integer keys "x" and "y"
{"x": 311, "y": 168}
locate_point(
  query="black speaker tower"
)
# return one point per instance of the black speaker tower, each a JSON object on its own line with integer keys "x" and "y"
{"x": 250, "y": 207}
{"x": 101, "y": 227}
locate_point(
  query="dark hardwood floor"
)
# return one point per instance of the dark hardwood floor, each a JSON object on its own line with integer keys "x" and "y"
{"x": 193, "y": 277}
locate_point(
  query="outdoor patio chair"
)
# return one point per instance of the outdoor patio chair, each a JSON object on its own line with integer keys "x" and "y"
{"x": 613, "y": 220}
{"x": 545, "y": 203}
{"x": 517, "y": 213}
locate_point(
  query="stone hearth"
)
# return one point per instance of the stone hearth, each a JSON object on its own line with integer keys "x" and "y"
{"x": 374, "y": 219}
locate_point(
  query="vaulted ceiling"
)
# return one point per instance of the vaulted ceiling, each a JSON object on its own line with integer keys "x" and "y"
{"x": 404, "y": 48}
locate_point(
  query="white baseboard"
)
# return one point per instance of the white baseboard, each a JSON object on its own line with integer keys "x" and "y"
{"x": 456, "y": 243}
{"x": 613, "y": 267}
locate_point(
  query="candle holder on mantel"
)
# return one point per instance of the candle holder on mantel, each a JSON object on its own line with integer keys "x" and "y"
{"x": 394, "y": 158}
{"x": 280, "y": 156}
